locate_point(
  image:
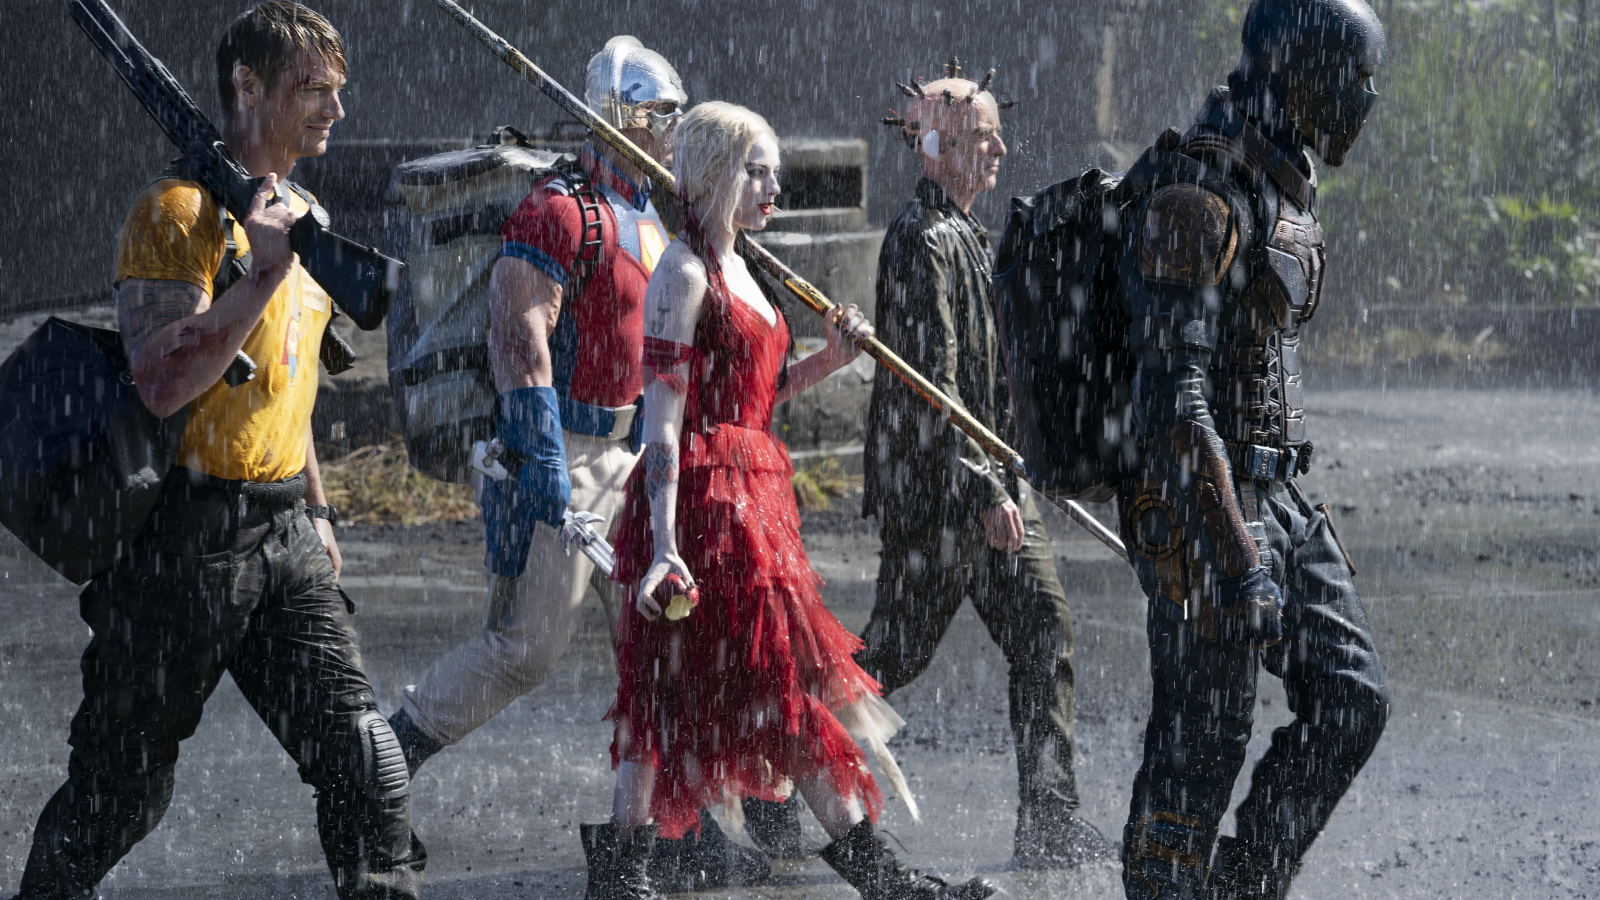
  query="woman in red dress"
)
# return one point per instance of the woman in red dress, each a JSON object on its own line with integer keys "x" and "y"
{"x": 753, "y": 691}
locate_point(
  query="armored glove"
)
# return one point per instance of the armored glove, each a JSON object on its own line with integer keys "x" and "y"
{"x": 529, "y": 425}
{"x": 1249, "y": 609}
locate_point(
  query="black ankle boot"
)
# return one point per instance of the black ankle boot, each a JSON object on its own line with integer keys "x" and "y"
{"x": 1240, "y": 874}
{"x": 617, "y": 868}
{"x": 416, "y": 745}
{"x": 706, "y": 862}
{"x": 861, "y": 858}
{"x": 1058, "y": 839}
{"x": 775, "y": 827}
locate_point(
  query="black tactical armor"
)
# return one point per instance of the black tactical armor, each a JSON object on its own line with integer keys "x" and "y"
{"x": 1222, "y": 263}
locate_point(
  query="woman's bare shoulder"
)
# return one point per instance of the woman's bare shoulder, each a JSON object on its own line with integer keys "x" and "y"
{"x": 680, "y": 274}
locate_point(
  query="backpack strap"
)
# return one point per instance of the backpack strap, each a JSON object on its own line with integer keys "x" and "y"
{"x": 591, "y": 232}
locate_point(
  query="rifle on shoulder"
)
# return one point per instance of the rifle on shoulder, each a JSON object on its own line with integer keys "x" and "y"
{"x": 361, "y": 280}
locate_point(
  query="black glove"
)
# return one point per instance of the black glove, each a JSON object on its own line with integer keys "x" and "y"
{"x": 1248, "y": 609}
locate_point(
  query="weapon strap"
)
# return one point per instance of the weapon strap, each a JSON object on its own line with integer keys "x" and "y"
{"x": 335, "y": 353}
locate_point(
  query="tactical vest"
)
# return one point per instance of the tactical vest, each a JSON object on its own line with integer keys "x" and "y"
{"x": 1256, "y": 367}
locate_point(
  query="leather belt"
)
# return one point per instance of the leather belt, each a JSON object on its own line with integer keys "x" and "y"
{"x": 265, "y": 494}
{"x": 610, "y": 423}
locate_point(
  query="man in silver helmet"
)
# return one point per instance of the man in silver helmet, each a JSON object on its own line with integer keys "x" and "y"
{"x": 566, "y": 311}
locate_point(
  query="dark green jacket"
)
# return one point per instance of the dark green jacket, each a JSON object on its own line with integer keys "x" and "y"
{"x": 935, "y": 308}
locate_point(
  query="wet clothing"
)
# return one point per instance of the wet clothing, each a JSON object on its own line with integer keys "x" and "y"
{"x": 935, "y": 307}
{"x": 227, "y": 575}
{"x": 596, "y": 345}
{"x": 596, "y": 351}
{"x": 928, "y": 570}
{"x": 1221, "y": 268}
{"x": 749, "y": 688}
{"x": 1203, "y": 707}
{"x": 530, "y": 622}
{"x": 258, "y": 430}
{"x": 928, "y": 484}
{"x": 225, "y": 578}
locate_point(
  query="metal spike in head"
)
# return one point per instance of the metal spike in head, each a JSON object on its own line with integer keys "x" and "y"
{"x": 917, "y": 83}
{"x": 987, "y": 77}
{"x": 949, "y": 98}
{"x": 907, "y": 89}
{"x": 1006, "y": 104}
{"x": 952, "y": 69}
{"x": 894, "y": 120}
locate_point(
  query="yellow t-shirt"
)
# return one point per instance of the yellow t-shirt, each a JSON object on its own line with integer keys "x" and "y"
{"x": 259, "y": 430}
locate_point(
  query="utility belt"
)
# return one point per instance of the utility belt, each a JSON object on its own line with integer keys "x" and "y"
{"x": 1262, "y": 463}
{"x": 609, "y": 423}
{"x": 1253, "y": 463}
{"x": 248, "y": 496}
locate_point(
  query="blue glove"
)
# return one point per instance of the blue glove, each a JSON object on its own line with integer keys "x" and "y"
{"x": 529, "y": 425}
{"x": 1249, "y": 609}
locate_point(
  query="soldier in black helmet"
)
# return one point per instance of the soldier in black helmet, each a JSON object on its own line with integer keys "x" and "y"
{"x": 1221, "y": 266}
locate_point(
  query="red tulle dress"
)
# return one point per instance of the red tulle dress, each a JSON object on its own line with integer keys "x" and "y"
{"x": 747, "y": 691}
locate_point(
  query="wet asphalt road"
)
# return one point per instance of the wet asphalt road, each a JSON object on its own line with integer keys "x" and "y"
{"x": 1473, "y": 518}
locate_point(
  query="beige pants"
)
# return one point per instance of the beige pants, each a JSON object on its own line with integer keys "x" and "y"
{"x": 527, "y": 628}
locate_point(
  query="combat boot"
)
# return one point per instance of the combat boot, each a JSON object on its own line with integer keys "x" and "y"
{"x": 617, "y": 868}
{"x": 775, "y": 827}
{"x": 707, "y": 861}
{"x": 861, "y": 858}
{"x": 1058, "y": 839}
{"x": 416, "y": 745}
{"x": 1238, "y": 874}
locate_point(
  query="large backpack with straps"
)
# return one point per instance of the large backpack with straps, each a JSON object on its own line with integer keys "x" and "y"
{"x": 448, "y": 210}
{"x": 1064, "y": 332}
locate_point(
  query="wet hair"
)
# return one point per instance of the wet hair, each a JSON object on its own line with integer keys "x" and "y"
{"x": 269, "y": 38}
{"x": 708, "y": 150}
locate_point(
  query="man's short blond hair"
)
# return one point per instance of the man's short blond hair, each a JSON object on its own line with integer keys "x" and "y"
{"x": 708, "y": 151}
{"x": 269, "y": 38}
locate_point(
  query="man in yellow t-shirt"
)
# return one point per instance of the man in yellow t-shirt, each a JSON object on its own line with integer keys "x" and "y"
{"x": 236, "y": 570}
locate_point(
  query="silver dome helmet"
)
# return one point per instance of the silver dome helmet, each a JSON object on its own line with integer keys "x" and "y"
{"x": 631, "y": 86}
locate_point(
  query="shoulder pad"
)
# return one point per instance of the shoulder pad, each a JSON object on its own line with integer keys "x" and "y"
{"x": 1187, "y": 236}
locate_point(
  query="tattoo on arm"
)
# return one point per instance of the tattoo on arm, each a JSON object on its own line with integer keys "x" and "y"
{"x": 144, "y": 307}
{"x": 661, "y": 468}
{"x": 659, "y": 324}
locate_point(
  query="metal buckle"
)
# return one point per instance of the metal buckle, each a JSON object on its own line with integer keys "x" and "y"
{"x": 1268, "y": 463}
{"x": 1258, "y": 462}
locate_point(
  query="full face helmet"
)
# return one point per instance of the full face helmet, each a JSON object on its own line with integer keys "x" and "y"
{"x": 634, "y": 87}
{"x": 1324, "y": 54}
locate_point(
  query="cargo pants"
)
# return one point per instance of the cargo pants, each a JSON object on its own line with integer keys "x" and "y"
{"x": 226, "y": 577}
{"x": 928, "y": 569}
{"x": 1203, "y": 707}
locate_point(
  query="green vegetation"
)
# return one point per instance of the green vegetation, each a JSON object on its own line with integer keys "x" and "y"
{"x": 1477, "y": 179}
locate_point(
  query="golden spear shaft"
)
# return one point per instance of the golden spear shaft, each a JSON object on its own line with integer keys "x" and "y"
{"x": 750, "y": 250}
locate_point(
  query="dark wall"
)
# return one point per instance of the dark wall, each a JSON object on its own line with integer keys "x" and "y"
{"x": 75, "y": 148}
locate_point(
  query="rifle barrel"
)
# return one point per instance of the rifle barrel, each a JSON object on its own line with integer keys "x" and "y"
{"x": 803, "y": 290}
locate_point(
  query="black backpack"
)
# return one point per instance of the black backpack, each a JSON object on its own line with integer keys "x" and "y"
{"x": 1064, "y": 333}
{"x": 1064, "y": 336}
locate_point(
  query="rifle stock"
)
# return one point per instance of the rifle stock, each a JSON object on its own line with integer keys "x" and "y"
{"x": 361, "y": 280}
{"x": 803, "y": 290}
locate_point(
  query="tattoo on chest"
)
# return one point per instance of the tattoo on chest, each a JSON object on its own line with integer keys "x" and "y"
{"x": 661, "y": 468}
